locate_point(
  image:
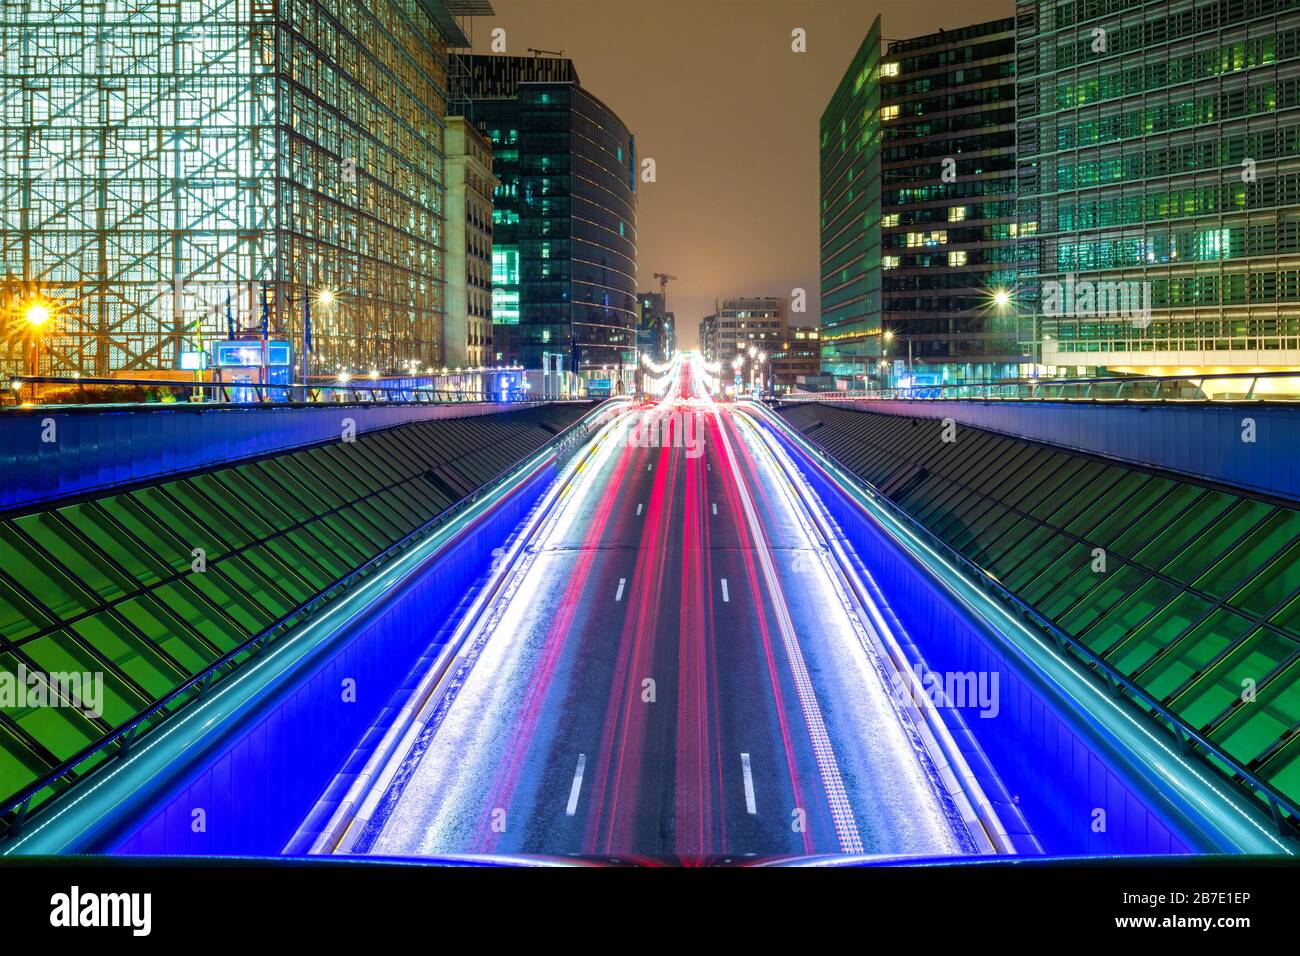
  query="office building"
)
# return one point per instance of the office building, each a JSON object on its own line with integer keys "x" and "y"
{"x": 850, "y": 187}
{"x": 467, "y": 333}
{"x": 744, "y": 323}
{"x": 947, "y": 206}
{"x": 708, "y": 337}
{"x": 564, "y": 217}
{"x": 168, "y": 167}
{"x": 797, "y": 360}
{"x": 656, "y": 337}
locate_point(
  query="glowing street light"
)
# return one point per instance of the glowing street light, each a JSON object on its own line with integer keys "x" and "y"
{"x": 1002, "y": 298}
{"x": 37, "y": 315}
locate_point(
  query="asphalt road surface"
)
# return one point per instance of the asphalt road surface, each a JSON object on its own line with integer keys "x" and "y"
{"x": 672, "y": 672}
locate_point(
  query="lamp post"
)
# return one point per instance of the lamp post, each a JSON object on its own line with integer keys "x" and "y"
{"x": 325, "y": 299}
{"x": 37, "y": 315}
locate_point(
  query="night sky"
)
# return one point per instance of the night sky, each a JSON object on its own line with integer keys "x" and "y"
{"x": 714, "y": 94}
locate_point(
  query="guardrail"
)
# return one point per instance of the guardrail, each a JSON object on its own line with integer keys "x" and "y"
{"x": 14, "y": 809}
{"x": 1284, "y": 811}
{"x": 81, "y": 392}
{"x": 1253, "y": 387}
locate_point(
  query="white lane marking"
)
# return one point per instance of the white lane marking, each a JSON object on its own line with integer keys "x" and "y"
{"x": 726, "y": 597}
{"x": 750, "y": 806}
{"x": 638, "y": 510}
{"x": 715, "y": 507}
{"x": 846, "y": 827}
{"x": 619, "y": 595}
{"x": 572, "y": 808}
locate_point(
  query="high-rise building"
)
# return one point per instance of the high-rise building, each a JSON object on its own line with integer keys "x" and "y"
{"x": 168, "y": 167}
{"x": 564, "y": 219}
{"x": 467, "y": 333}
{"x": 655, "y": 337}
{"x": 744, "y": 323}
{"x": 947, "y": 205}
{"x": 1158, "y": 206}
{"x": 850, "y": 216}
{"x": 708, "y": 337}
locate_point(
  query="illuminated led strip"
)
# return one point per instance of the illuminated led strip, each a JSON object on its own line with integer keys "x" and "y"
{"x": 1212, "y": 801}
{"x": 846, "y": 828}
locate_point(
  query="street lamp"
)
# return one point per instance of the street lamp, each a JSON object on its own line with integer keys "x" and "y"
{"x": 37, "y": 315}
{"x": 324, "y": 298}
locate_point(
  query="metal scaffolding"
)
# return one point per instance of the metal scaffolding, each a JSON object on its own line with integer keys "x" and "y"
{"x": 167, "y": 164}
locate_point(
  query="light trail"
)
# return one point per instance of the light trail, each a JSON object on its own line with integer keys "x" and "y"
{"x": 610, "y": 644}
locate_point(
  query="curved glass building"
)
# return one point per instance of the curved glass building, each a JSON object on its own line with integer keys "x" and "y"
{"x": 564, "y": 223}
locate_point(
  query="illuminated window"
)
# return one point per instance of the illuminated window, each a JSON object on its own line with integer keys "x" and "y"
{"x": 956, "y": 213}
{"x": 889, "y": 112}
{"x": 934, "y": 237}
{"x": 889, "y": 219}
{"x": 889, "y": 69}
{"x": 505, "y": 265}
{"x": 957, "y": 257}
{"x": 890, "y": 262}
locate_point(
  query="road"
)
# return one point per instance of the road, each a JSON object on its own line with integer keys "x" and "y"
{"x": 673, "y": 671}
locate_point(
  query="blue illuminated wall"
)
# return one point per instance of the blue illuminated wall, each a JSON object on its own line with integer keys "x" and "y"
{"x": 98, "y": 448}
{"x": 1199, "y": 439}
{"x": 265, "y": 773}
{"x": 1057, "y": 771}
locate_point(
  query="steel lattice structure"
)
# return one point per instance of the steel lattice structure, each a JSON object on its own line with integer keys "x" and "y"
{"x": 164, "y": 159}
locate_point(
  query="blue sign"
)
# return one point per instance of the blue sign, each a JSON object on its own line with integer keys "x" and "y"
{"x": 247, "y": 353}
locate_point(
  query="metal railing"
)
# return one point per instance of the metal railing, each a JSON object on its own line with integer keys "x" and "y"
{"x": 1227, "y": 387}
{"x": 118, "y": 743}
{"x": 47, "y": 391}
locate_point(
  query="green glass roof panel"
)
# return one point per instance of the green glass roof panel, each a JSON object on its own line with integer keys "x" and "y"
{"x": 1115, "y": 611}
{"x": 1197, "y": 555}
{"x": 1215, "y": 690}
{"x": 1260, "y": 723}
{"x": 1158, "y": 632}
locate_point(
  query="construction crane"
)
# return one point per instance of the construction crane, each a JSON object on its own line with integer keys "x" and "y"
{"x": 535, "y": 52}
{"x": 663, "y": 278}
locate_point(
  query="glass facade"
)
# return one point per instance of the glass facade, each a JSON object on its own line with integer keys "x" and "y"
{"x": 947, "y": 205}
{"x": 564, "y": 220}
{"x": 108, "y": 585}
{"x": 1199, "y": 592}
{"x": 850, "y": 216}
{"x": 751, "y": 322}
{"x": 163, "y": 159}
{"x": 1155, "y": 145}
